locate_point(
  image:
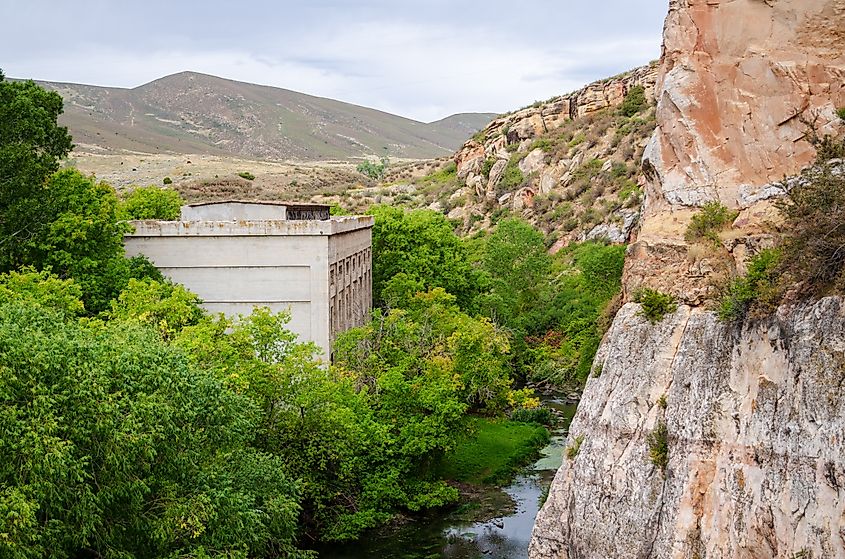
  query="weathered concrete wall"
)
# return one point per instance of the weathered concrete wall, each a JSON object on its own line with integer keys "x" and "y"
{"x": 284, "y": 265}
{"x": 350, "y": 280}
{"x": 232, "y": 211}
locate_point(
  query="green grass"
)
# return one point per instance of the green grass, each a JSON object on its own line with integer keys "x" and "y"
{"x": 494, "y": 451}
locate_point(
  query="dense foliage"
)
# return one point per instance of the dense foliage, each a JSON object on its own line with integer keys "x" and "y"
{"x": 421, "y": 244}
{"x": 31, "y": 145}
{"x": 114, "y": 443}
{"x": 151, "y": 202}
{"x": 137, "y": 425}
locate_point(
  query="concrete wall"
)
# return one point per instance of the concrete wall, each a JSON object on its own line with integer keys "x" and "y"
{"x": 350, "y": 280}
{"x": 232, "y": 211}
{"x": 283, "y": 265}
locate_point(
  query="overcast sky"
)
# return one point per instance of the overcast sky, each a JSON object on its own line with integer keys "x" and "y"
{"x": 421, "y": 59}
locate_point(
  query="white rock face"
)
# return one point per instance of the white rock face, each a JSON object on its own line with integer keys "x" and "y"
{"x": 756, "y": 438}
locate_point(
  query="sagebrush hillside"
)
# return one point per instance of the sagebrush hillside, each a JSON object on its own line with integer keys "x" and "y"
{"x": 570, "y": 165}
{"x": 201, "y": 114}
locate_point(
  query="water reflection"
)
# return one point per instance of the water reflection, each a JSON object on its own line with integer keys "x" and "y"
{"x": 443, "y": 537}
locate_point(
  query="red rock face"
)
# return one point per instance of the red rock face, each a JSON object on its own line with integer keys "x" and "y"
{"x": 738, "y": 81}
{"x": 735, "y": 77}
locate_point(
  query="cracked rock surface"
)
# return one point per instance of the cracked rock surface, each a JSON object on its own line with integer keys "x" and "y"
{"x": 756, "y": 441}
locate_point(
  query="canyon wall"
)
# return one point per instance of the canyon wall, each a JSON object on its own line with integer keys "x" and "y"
{"x": 738, "y": 80}
{"x": 754, "y": 414}
{"x": 756, "y": 442}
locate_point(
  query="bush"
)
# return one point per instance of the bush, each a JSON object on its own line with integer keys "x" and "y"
{"x": 707, "y": 223}
{"x": 372, "y": 170}
{"x": 655, "y": 305}
{"x": 634, "y": 101}
{"x": 486, "y": 166}
{"x": 151, "y": 202}
{"x": 167, "y": 180}
{"x": 512, "y": 177}
{"x": 814, "y": 215}
{"x": 539, "y": 415}
{"x": 840, "y": 112}
{"x": 246, "y": 175}
{"x": 573, "y": 449}
{"x": 658, "y": 446}
{"x": 754, "y": 290}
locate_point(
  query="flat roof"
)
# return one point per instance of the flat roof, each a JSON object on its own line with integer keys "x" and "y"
{"x": 261, "y": 203}
{"x": 246, "y": 228}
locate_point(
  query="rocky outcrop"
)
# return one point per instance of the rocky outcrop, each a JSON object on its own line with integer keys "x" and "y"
{"x": 538, "y": 119}
{"x": 738, "y": 81}
{"x": 755, "y": 423}
{"x": 753, "y": 414}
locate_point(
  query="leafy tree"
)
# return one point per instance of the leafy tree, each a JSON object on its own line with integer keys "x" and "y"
{"x": 151, "y": 202}
{"x": 422, "y": 245}
{"x": 166, "y": 306}
{"x": 83, "y": 239}
{"x": 31, "y": 145}
{"x": 42, "y": 289}
{"x": 515, "y": 257}
{"x": 115, "y": 446}
{"x": 372, "y": 170}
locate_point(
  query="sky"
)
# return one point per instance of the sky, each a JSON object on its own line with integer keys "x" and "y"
{"x": 420, "y": 59}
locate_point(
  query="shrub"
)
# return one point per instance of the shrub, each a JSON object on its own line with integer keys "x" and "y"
{"x": 573, "y": 449}
{"x": 634, "y": 101}
{"x": 540, "y": 415}
{"x": 246, "y": 175}
{"x": 543, "y": 144}
{"x": 840, "y": 112}
{"x": 486, "y": 166}
{"x": 662, "y": 402}
{"x": 658, "y": 446}
{"x": 151, "y": 202}
{"x": 756, "y": 288}
{"x": 167, "y": 180}
{"x": 512, "y": 178}
{"x": 655, "y": 305}
{"x": 709, "y": 221}
{"x": 814, "y": 215}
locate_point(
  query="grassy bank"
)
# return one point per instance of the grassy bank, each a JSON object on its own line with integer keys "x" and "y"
{"x": 493, "y": 451}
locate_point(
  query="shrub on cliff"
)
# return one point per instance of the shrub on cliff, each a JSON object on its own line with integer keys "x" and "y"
{"x": 757, "y": 290}
{"x": 713, "y": 218}
{"x": 634, "y": 101}
{"x": 658, "y": 445}
{"x": 654, "y": 304}
{"x": 813, "y": 245}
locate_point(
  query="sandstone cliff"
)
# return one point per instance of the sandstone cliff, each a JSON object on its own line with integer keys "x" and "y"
{"x": 754, "y": 415}
{"x": 736, "y": 80}
{"x": 756, "y": 437}
{"x": 569, "y": 165}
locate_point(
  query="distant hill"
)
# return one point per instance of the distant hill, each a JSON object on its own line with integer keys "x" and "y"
{"x": 197, "y": 113}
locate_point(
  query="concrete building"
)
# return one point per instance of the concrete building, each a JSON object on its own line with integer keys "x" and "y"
{"x": 239, "y": 255}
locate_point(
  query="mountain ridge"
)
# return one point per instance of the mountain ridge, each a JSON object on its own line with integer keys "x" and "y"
{"x": 192, "y": 112}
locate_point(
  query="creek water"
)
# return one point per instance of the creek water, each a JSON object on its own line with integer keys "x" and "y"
{"x": 447, "y": 536}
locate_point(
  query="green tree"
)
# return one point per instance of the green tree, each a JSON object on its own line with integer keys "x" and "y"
{"x": 515, "y": 257}
{"x": 115, "y": 446}
{"x": 151, "y": 202}
{"x": 83, "y": 239}
{"x": 422, "y": 245}
{"x": 31, "y": 145}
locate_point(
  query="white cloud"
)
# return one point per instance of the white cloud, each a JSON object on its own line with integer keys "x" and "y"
{"x": 421, "y": 64}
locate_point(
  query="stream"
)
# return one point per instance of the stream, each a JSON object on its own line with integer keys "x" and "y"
{"x": 448, "y": 536}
